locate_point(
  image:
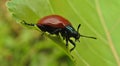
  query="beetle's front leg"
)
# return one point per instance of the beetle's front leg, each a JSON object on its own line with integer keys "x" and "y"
{"x": 72, "y": 44}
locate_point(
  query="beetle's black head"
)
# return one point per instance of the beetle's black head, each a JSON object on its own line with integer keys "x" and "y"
{"x": 76, "y": 35}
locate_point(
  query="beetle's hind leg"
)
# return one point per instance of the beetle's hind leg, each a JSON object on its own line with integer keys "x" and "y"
{"x": 25, "y": 23}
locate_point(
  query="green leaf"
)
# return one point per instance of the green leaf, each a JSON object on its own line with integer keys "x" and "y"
{"x": 99, "y": 18}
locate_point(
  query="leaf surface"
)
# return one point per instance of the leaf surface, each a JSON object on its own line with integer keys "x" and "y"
{"x": 98, "y": 18}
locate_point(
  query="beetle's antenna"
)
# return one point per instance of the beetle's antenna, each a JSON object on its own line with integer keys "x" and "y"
{"x": 78, "y": 27}
{"x": 84, "y": 35}
{"x": 25, "y": 23}
{"x": 88, "y": 37}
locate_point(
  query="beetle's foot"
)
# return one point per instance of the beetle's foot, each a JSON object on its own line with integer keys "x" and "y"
{"x": 71, "y": 49}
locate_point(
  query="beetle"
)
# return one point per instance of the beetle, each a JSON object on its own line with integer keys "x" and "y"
{"x": 55, "y": 24}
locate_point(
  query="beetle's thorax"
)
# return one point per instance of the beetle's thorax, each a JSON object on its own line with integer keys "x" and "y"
{"x": 71, "y": 32}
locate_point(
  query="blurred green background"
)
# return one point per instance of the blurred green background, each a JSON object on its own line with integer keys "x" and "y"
{"x": 22, "y": 47}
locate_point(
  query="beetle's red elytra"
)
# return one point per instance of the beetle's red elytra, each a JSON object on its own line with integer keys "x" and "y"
{"x": 55, "y": 21}
{"x": 55, "y": 24}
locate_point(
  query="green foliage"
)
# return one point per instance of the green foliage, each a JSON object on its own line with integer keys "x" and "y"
{"x": 98, "y": 18}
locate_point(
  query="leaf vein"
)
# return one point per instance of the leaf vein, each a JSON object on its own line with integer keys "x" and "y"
{"x": 109, "y": 39}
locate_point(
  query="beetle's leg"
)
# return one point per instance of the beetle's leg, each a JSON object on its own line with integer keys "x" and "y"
{"x": 25, "y": 23}
{"x": 63, "y": 38}
{"x": 67, "y": 42}
{"x": 72, "y": 44}
{"x": 42, "y": 33}
{"x": 64, "y": 34}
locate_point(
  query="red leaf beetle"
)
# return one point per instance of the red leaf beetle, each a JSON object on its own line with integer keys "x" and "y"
{"x": 55, "y": 24}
